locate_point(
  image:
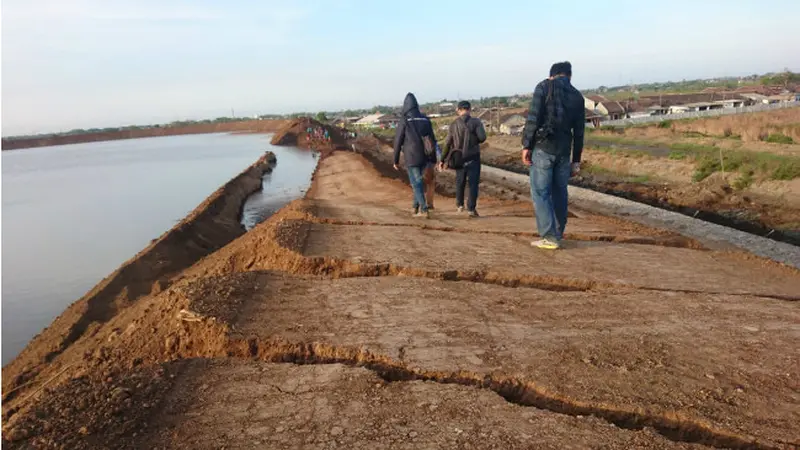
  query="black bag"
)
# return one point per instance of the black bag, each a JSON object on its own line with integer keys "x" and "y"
{"x": 455, "y": 159}
{"x": 427, "y": 142}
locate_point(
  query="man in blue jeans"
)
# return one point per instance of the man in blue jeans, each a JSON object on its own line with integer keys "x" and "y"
{"x": 555, "y": 125}
{"x": 412, "y": 131}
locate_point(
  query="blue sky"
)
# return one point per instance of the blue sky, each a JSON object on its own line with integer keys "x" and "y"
{"x": 85, "y": 63}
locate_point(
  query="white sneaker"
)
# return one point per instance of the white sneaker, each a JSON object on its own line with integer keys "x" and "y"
{"x": 460, "y": 209}
{"x": 546, "y": 244}
{"x": 422, "y": 215}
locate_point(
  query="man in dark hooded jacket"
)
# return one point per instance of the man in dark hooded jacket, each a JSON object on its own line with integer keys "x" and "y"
{"x": 412, "y": 130}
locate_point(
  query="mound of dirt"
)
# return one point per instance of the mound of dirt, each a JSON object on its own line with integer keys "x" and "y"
{"x": 295, "y": 134}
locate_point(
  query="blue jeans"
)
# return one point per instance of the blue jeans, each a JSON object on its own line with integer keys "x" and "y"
{"x": 418, "y": 186}
{"x": 549, "y": 177}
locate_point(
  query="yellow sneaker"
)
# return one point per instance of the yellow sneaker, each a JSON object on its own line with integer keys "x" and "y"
{"x": 545, "y": 244}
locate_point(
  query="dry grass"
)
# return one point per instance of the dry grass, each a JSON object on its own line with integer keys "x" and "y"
{"x": 751, "y": 127}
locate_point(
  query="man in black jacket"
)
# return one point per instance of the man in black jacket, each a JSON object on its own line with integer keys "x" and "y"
{"x": 412, "y": 130}
{"x": 555, "y": 125}
{"x": 466, "y": 135}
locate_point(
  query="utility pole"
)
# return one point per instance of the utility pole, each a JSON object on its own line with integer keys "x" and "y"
{"x": 233, "y": 115}
{"x": 497, "y": 115}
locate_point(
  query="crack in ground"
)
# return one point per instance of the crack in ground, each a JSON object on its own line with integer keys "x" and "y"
{"x": 514, "y": 390}
{"x": 343, "y": 268}
{"x": 674, "y": 242}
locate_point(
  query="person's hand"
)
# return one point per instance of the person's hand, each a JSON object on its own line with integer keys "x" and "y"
{"x": 576, "y": 169}
{"x": 526, "y": 157}
{"x": 396, "y": 167}
{"x": 441, "y": 166}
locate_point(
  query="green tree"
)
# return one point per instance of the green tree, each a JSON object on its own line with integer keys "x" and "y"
{"x": 321, "y": 117}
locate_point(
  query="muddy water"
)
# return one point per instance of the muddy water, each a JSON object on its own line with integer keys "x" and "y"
{"x": 73, "y": 214}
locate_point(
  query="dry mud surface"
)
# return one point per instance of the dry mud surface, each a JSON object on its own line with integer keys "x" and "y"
{"x": 342, "y": 322}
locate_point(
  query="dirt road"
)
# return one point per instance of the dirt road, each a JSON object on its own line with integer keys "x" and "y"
{"x": 342, "y": 322}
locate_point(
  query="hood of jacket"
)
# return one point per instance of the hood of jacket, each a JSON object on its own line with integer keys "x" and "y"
{"x": 410, "y": 105}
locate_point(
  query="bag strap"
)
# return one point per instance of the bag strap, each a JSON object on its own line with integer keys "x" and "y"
{"x": 465, "y": 143}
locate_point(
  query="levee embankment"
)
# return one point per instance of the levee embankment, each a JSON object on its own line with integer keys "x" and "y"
{"x": 256, "y": 126}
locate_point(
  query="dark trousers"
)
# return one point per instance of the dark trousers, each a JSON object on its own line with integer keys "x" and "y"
{"x": 469, "y": 174}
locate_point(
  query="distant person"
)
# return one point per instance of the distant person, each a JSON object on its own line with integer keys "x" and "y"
{"x": 462, "y": 152}
{"x": 414, "y": 137}
{"x": 554, "y": 129}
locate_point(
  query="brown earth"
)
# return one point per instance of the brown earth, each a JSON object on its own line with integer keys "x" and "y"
{"x": 343, "y": 322}
{"x": 668, "y": 184}
{"x": 262, "y": 126}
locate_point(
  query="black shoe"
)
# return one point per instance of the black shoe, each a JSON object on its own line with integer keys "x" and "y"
{"x": 416, "y": 211}
{"x": 430, "y": 208}
{"x": 473, "y": 214}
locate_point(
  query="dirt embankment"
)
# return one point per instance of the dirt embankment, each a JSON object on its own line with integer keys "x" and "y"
{"x": 212, "y": 225}
{"x": 262, "y": 126}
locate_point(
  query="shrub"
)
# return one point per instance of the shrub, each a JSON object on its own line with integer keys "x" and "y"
{"x": 728, "y": 132}
{"x": 705, "y": 168}
{"x": 787, "y": 170}
{"x": 744, "y": 180}
{"x": 779, "y": 138}
{"x": 665, "y": 124}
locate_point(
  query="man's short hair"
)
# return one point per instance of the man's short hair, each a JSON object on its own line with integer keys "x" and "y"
{"x": 560, "y": 68}
{"x": 464, "y": 105}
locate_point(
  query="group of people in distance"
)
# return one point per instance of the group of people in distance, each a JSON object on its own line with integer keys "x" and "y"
{"x": 552, "y": 144}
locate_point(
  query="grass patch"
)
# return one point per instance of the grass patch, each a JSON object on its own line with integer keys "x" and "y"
{"x": 598, "y": 170}
{"x": 789, "y": 170}
{"x": 615, "y": 175}
{"x": 622, "y": 152}
{"x": 692, "y": 148}
{"x": 694, "y": 134}
{"x": 677, "y": 155}
{"x": 779, "y": 138}
{"x": 750, "y": 165}
{"x": 665, "y": 124}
